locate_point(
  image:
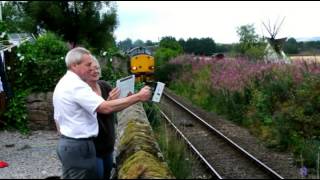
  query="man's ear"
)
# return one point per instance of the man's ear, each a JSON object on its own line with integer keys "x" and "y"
{"x": 73, "y": 66}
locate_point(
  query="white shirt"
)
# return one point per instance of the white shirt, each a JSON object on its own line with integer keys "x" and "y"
{"x": 75, "y": 105}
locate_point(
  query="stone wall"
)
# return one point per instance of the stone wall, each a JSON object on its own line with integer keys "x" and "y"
{"x": 40, "y": 111}
{"x": 138, "y": 154}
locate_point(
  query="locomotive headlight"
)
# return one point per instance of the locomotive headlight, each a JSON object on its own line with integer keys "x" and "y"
{"x": 151, "y": 67}
{"x": 134, "y": 68}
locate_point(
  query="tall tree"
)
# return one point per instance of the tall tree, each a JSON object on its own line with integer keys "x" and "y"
{"x": 78, "y": 22}
{"x": 291, "y": 46}
{"x": 182, "y": 43}
{"x": 125, "y": 45}
{"x": 250, "y": 44}
{"x": 14, "y": 17}
{"x": 248, "y": 37}
{"x": 138, "y": 42}
{"x": 170, "y": 43}
{"x": 203, "y": 46}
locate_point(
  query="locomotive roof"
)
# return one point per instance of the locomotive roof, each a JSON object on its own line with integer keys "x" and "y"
{"x": 138, "y": 50}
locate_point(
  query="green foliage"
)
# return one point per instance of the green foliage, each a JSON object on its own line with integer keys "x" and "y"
{"x": 176, "y": 154}
{"x": 138, "y": 42}
{"x": 171, "y": 43}
{"x": 15, "y": 18}
{"x": 16, "y": 113}
{"x": 125, "y": 45}
{"x": 77, "y": 22}
{"x": 153, "y": 114}
{"x": 291, "y": 46}
{"x": 108, "y": 72}
{"x": 165, "y": 72}
{"x": 250, "y": 45}
{"x": 173, "y": 149}
{"x": 203, "y": 46}
{"x": 201, "y": 87}
{"x": 248, "y": 36}
{"x": 199, "y": 91}
{"x": 306, "y": 105}
{"x": 308, "y": 153}
{"x": 256, "y": 52}
{"x": 169, "y": 48}
{"x": 163, "y": 55}
{"x": 39, "y": 65}
{"x": 3, "y": 28}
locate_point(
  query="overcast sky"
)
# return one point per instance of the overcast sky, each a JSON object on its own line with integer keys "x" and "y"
{"x": 217, "y": 20}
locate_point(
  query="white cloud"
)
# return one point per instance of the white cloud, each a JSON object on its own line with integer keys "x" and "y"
{"x": 218, "y": 20}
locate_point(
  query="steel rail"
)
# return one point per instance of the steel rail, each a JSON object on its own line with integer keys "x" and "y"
{"x": 214, "y": 172}
{"x": 240, "y": 149}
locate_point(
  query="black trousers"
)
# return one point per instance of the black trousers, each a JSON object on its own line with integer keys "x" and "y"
{"x": 78, "y": 158}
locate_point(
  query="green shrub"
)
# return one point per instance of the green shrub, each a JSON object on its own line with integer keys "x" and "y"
{"x": 308, "y": 152}
{"x": 174, "y": 150}
{"x": 16, "y": 113}
{"x": 39, "y": 65}
{"x": 165, "y": 72}
{"x": 256, "y": 53}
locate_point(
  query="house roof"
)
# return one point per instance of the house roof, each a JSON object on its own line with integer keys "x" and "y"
{"x": 15, "y": 39}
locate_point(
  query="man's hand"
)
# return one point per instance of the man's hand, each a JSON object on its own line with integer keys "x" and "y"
{"x": 114, "y": 94}
{"x": 145, "y": 93}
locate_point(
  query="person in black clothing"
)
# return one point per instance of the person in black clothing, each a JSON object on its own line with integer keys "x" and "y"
{"x": 104, "y": 142}
{"x": 4, "y": 79}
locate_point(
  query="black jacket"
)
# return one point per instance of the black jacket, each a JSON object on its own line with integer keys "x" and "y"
{"x": 105, "y": 140}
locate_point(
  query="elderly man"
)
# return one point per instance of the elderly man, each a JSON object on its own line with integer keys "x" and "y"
{"x": 75, "y": 109}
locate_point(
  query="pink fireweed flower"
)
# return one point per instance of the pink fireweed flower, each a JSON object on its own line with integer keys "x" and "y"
{"x": 234, "y": 74}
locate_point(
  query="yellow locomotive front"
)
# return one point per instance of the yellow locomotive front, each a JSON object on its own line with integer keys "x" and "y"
{"x": 142, "y": 64}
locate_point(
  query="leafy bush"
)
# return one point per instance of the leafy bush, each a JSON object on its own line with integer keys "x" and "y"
{"x": 166, "y": 72}
{"x": 174, "y": 150}
{"x": 256, "y": 53}
{"x": 163, "y": 55}
{"x": 16, "y": 113}
{"x": 108, "y": 74}
{"x": 39, "y": 65}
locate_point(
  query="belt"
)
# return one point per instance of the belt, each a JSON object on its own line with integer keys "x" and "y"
{"x": 81, "y": 139}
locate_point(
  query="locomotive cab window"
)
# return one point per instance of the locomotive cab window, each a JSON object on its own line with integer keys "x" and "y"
{"x": 139, "y": 50}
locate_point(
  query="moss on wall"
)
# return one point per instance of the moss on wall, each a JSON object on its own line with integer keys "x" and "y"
{"x": 138, "y": 153}
{"x": 142, "y": 165}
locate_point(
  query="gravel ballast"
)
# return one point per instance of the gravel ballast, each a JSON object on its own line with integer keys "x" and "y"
{"x": 30, "y": 156}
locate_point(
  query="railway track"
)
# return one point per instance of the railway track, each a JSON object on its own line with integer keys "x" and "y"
{"x": 223, "y": 157}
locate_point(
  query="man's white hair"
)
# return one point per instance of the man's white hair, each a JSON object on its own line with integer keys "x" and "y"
{"x": 75, "y": 56}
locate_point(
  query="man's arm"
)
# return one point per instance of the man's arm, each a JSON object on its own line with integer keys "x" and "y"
{"x": 119, "y": 104}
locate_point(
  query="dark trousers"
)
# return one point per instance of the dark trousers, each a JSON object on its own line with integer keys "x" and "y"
{"x": 78, "y": 158}
{"x": 104, "y": 165}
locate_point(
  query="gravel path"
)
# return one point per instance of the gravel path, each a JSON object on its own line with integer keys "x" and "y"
{"x": 29, "y": 157}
